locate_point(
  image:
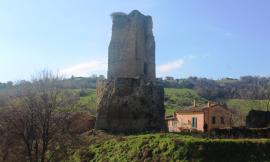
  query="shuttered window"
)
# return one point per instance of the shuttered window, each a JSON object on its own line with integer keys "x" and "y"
{"x": 213, "y": 120}
{"x": 194, "y": 122}
{"x": 222, "y": 120}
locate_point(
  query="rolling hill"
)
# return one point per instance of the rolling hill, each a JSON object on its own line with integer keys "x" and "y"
{"x": 175, "y": 98}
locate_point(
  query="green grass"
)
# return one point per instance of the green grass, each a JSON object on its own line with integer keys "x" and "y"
{"x": 89, "y": 98}
{"x": 170, "y": 111}
{"x": 173, "y": 147}
{"x": 245, "y": 105}
{"x": 87, "y": 102}
{"x": 176, "y": 98}
{"x": 226, "y": 80}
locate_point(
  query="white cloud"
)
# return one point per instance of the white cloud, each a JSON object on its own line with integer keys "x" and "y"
{"x": 170, "y": 66}
{"x": 87, "y": 68}
{"x": 99, "y": 66}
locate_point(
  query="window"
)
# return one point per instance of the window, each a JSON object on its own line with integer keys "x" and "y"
{"x": 181, "y": 122}
{"x": 175, "y": 123}
{"x": 222, "y": 120}
{"x": 145, "y": 69}
{"x": 213, "y": 120}
{"x": 194, "y": 122}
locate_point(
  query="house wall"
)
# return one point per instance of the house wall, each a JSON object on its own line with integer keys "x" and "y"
{"x": 184, "y": 120}
{"x": 172, "y": 125}
{"x": 217, "y": 112}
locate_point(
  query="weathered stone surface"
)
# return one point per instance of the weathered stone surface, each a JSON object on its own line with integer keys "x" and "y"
{"x": 130, "y": 100}
{"x": 132, "y": 47}
{"x": 81, "y": 122}
{"x": 129, "y": 105}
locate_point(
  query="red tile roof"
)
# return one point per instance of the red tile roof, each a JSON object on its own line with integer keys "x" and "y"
{"x": 198, "y": 108}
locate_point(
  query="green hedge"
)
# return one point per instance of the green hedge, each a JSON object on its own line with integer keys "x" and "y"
{"x": 174, "y": 147}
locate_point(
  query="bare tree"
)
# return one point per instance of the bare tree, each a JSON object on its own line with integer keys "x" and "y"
{"x": 32, "y": 116}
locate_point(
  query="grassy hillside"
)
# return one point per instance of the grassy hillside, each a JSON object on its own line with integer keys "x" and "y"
{"x": 246, "y": 105}
{"x": 174, "y": 99}
{"x": 179, "y": 98}
{"x": 87, "y": 101}
{"x": 172, "y": 147}
{"x": 88, "y": 97}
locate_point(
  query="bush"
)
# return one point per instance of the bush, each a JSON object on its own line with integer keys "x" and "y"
{"x": 83, "y": 93}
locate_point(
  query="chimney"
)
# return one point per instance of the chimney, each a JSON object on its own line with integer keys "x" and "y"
{"x": 194, "y": 103}
{"x": 209, "y": 104}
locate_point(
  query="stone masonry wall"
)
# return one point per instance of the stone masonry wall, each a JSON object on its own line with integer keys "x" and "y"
{"x": 130, "y": 100}
{"x": 129, "y": 106}
{"x": 132, "y": 46}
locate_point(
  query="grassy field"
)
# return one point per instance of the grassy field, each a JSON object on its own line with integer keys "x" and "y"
{"x": 171, "y": 147}
{"x": 246, "y": 105}
{"x": 174, "y": 99}
{"x": 180, "y": 98}
{"x": 87, "y": 101}
{"x": 88, "y": 97}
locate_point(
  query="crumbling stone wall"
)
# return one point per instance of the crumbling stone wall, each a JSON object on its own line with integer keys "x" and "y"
{"x": 130, "y": 100}
{"x": 132, "y": 47}
{"x": 128, "y": 105}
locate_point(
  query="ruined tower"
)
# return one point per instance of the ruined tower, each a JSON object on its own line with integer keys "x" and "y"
{"x": 132, "y": 47}
{"x": 130, "y": 99}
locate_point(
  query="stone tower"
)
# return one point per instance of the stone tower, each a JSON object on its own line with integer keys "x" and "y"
{"x": 132, "y": 47}
{"x": 130, "y": 100}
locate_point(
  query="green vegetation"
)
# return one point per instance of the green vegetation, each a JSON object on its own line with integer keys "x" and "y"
{"x": 176, "y": 98}
{"x": 88, "y": 97}
{"x": 172, "y": 147}
{"x": 246, "y": 105}
{"x": 87, "y": 101}
{"x": 226, "y": 80}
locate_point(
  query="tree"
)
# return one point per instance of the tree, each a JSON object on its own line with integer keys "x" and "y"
{"x": 32, "y": 117}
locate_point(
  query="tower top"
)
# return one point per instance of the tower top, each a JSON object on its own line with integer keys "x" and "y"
{"x": 132, "y": 47}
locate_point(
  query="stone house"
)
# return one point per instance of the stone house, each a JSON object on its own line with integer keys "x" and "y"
{"x": 200, "y": 118}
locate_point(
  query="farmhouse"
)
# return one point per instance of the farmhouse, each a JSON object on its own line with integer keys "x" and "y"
{"x": 200, "y": 118}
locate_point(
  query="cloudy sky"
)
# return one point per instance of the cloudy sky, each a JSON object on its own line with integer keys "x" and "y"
{"x": 207, "y": 38}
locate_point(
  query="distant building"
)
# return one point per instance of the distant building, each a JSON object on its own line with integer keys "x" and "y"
{"x": 200, "y": 118}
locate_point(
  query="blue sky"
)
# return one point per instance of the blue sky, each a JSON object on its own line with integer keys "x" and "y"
{"x": 207, "y": 38}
